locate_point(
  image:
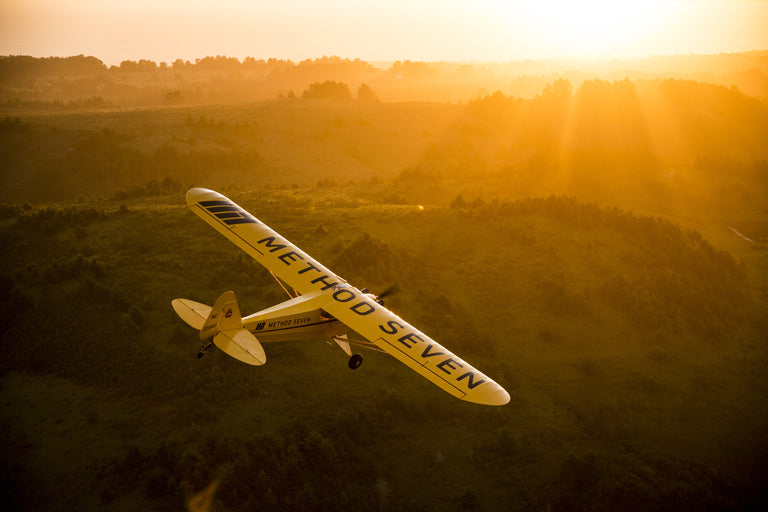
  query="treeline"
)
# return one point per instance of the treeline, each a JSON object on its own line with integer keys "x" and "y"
{"x": 327, "y": 90}
{"x": 23, "y": 67}
{"x": 85, "y": 82}
{"x": 93, "y": 103}
{"x": 26, "y": 80}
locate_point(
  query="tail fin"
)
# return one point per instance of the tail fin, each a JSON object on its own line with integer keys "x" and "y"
{"x": 225, "y": 325}
{"x": 224, "y": 315}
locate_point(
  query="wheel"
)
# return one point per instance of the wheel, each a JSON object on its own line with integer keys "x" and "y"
{"x": 355, "y": 361}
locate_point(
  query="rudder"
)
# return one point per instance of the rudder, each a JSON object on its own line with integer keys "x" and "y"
{"x": 224, "y": 315}
{"x": 224, "y": 326}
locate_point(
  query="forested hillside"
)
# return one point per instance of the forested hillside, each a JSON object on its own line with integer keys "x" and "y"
{"x": 680, "y": 148}
{"x": 78, "y": 82}
{"x": 595, "y": 241}
{"x": 620, "y": 337}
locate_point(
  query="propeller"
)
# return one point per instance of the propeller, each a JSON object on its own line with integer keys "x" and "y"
{"x": 389, "y": 290}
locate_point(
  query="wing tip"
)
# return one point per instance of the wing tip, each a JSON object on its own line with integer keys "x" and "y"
{"x": 497, "y": 397}
{"x": 502, "y": 397}
{"x": 194, "y": 195}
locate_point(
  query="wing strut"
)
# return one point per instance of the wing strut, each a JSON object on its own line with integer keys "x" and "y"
{"x": 283, "y": 286}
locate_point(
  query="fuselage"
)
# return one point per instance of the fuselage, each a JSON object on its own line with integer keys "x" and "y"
{"x": 296, "y": 327}
{"x": 296, "y": 319}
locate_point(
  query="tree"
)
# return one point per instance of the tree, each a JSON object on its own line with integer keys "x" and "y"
{"x": 328, "y": 90}
{"x": 173, "y": 98}
{"x": 366, "y": 94}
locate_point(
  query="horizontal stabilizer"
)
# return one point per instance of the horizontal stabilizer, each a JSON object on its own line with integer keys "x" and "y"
{"x": 242, "y": 345}
{"x": 193, "y": 313}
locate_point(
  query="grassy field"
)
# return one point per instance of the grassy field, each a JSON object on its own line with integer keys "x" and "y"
{"x": 627, "y": 322}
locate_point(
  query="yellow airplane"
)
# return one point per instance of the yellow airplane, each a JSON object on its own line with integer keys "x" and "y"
{"x": 325, "y": 306}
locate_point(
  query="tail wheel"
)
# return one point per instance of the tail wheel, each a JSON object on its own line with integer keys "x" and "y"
{"x": 355, "y": 361}
{"x": 205, "y": 347}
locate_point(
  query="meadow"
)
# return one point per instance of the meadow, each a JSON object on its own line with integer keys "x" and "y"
{"x": 594, "y": 272}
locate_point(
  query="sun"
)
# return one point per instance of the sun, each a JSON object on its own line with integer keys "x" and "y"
{"x": 587, "y": 27}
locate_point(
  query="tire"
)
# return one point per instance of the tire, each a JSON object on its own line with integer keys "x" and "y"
{"x": 355, "y": 361}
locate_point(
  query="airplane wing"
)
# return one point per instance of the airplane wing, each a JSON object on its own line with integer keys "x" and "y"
{"x": 357, "y": 310}
{"x": 395, "y": 336}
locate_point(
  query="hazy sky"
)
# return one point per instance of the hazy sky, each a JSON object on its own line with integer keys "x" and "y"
{"x": 164, "y": 30}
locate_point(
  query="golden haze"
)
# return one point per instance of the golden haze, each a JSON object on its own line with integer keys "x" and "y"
{"x": 592, "y": 235}
{"x": 427, "y": 30}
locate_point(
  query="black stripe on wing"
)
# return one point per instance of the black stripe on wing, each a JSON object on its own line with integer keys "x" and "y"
{"x": 228, "y": 212}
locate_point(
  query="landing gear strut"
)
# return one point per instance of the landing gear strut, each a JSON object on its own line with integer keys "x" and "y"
{"x": 355, "y": 361}
{"x": 205, "y": 347}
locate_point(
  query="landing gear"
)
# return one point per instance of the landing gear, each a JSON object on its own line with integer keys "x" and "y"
{"x": 355, "y": 361}
{"x": 205, "y": 347}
